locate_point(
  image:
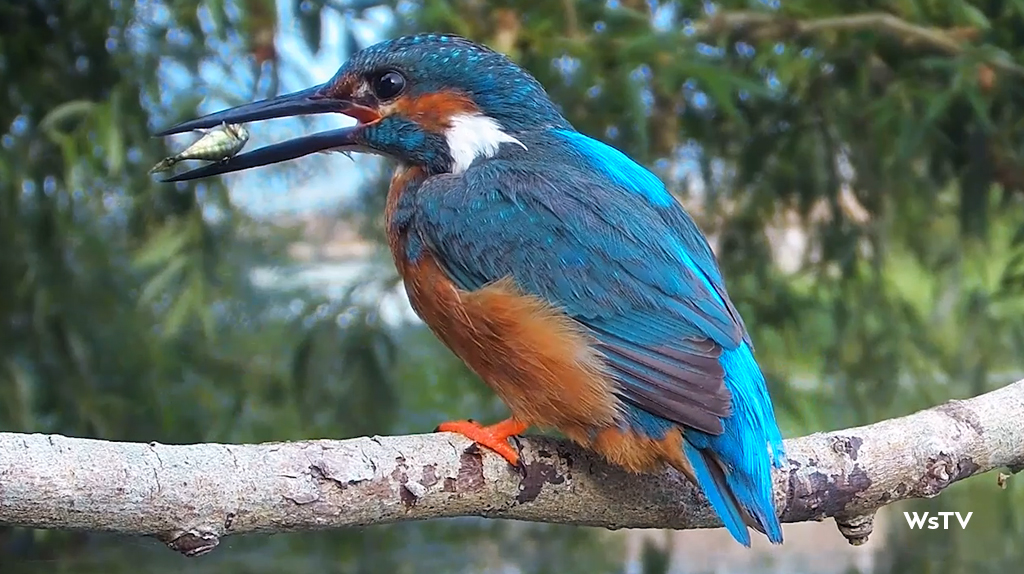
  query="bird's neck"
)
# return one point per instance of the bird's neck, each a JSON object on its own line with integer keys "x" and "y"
{"x": 474, "y": 136}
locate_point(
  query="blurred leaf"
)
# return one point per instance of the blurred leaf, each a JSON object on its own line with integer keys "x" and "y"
{"x": 973, "y": 15}
{"x": 309, "y": 13}
{"x": 162, "y": 245}
{"x": 160, "y": 283}
{"x": 64, "y": 112}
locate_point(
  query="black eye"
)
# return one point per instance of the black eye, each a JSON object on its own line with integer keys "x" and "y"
{"x": 387, "y": 85}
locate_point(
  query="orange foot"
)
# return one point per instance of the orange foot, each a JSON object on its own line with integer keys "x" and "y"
{"x": 494, "y": 437}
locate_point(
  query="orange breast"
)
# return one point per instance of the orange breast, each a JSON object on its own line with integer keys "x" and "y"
{"x": 537, "y": 359}
{"x": 533, "y": 356}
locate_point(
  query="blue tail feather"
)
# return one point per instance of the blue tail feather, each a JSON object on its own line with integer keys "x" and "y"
{"x": 733, "y": 469}
{"x": 747, "y": 449}
{"x": 722, "y": 502}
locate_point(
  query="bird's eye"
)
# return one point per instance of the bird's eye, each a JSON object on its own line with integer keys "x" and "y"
{"x": 387, "y": 85}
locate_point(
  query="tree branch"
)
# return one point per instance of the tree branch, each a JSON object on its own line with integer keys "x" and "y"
{"x": 761, "y": 26}
{"x": 189, "y": 496}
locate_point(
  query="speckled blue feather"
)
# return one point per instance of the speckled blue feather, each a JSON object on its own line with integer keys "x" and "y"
{"x": 579, "y": 224}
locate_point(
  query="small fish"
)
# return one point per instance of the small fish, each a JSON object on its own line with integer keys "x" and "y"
{"x": 217, "y": 144}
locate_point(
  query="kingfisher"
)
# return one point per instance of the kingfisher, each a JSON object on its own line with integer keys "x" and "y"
{"x": 562, "y": 272}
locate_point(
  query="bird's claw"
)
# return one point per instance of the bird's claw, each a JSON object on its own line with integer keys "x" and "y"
{"x": 494, "y": 437}
{"x": 520, "y": 465}
{"x": 438, "y": 427}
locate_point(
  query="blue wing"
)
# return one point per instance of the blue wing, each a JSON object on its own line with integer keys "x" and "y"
{"x": 608, "y": 258}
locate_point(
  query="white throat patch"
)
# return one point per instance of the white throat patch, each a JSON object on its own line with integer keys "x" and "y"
{"x": 473, "y": 135}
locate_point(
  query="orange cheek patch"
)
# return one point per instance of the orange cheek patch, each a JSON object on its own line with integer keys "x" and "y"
{"x": 435, "y": 111}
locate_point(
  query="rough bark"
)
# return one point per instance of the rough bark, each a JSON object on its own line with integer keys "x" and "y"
{"x": 190, "y": 496}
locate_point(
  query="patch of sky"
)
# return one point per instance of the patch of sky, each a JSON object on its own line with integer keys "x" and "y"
{"x": 693, "y": 96}
{"x": 347, "y": 316}
{"x": 49, "y": 185}
{"x": 647, "y": 100}
{"x": 686, "y": 163}
{"x": 663, "y": 17}
{"x": 19, "y": 125}
{"x": 709, "y": 50}
{"x": 566, "y": 66}
{"x": 178, "y": 37}
{"x": 641, "y": 73}
{"x": 406, "y": 8}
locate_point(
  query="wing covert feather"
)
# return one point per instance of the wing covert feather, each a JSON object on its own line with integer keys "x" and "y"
{"x": 606, "y": 258}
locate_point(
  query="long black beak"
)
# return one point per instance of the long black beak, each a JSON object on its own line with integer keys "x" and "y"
{"x": 305, "y": 102}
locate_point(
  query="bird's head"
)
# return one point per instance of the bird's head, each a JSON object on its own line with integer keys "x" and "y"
{"x": 435, "y": 101}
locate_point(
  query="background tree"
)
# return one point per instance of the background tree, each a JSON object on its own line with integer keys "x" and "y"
{"x": 884, "y": 136}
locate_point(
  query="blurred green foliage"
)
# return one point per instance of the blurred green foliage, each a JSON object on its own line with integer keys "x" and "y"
{"x": 129, "y": 310}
